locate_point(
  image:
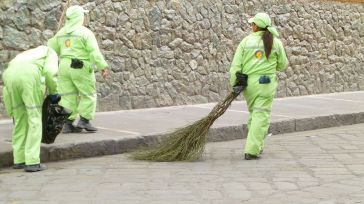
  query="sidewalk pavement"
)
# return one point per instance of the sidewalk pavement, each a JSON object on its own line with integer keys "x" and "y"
{"x": 124, "y": 131}
{"x": 323, "y": 166}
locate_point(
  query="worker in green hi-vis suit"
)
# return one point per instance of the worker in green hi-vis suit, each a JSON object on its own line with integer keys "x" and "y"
{"x": 26, "y": 79}
{"x": 79, "y": 53}
{"x": 259, "y": 55}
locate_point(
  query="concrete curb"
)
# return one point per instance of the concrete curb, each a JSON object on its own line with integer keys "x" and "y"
{"x": 118, "y": 146}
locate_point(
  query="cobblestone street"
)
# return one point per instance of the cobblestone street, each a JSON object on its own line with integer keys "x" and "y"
{"x": 322, "y": 166}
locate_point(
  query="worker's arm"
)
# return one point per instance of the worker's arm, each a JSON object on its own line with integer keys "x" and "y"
{"x": 282, "y": 58}
{"x": 50, "y": 71}
{"x": 237, "y": 63}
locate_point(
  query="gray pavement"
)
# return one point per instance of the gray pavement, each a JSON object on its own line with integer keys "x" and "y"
{"x": 123, "y": 131}
{"x": 323, "y": 166}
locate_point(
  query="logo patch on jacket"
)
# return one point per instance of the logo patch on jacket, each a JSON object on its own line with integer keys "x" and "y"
{"x": 258, "y": 54}
{"x": 67, "y": 43}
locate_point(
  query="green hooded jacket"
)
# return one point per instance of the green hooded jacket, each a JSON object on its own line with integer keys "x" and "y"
{"x": 76, "y": 41}
{"x": 250, "y": 57}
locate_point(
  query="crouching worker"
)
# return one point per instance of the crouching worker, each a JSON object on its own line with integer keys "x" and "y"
{"x": 79, "y": 52}
{"x": 26, "y": 79}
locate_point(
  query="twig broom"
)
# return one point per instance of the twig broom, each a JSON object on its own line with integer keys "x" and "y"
{"x": 187, "y": 143}
{"x": 60, "y": 22}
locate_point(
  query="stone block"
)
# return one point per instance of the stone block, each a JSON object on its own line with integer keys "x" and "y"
{"x": 226, "y": 133}
{"x": 315, "y": 123}
{"x": 15, "y": 39}
{"x": 281, "y": 127}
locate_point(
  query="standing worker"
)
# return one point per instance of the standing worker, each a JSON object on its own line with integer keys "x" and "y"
{"x": 78, "y": 51}
{"x": 26, "y": 79}
{"x": 259, "y": 55}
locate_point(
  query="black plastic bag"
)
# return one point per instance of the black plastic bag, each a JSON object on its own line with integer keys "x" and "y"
{"x": 53, "y": 118}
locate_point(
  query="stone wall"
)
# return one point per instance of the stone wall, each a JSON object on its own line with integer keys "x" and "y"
{"x": 172, "y": 52}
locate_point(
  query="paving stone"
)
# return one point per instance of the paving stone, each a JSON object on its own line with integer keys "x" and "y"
{"x": 259, "y": 186}
{"x": 24, "y": 195}
{"x": 285, "y": 186}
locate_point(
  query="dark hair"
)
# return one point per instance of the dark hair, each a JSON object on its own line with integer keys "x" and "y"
{"x": 267, "y": 41}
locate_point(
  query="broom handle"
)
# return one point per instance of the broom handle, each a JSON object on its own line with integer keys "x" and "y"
{"x": 63, "y": 14}
{"x": 222, "y": 106}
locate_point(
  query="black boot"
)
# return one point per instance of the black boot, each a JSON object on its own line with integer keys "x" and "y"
{"x": 19, "y": 166}
{"x": 35, "y": 167}
{"x": 69, "y": 128}
{"x": 85, "y": 124}
{"x": 251, "y": 157}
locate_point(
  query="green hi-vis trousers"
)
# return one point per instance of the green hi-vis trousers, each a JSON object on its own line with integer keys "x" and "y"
{"x": 259, "y": 98}
{"x": 78, "y": 89}
{"x": 24, "y": 94}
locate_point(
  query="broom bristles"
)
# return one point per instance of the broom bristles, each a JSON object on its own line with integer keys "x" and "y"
{"x": 187, "y": 143}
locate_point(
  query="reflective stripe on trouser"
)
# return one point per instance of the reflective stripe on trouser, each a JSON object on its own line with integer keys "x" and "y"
{"x": 259, "y": 98}
{"x": 78, "y": 90}
{"x": 26, "y": 92}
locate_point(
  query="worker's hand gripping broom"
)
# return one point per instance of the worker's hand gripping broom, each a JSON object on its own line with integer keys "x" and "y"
{"x": 187, "y": 143}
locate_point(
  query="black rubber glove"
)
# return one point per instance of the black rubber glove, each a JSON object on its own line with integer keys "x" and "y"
{"x": 241, "y": 82}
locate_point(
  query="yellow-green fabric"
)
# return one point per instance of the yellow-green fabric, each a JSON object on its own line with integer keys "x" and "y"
{"x": 250, "y": 59}
{"x": 262, "y": 20}
{"x": 76, "y": 41}
{"x": 77, "y": 86}
{"x": 25, "y": 81}
{"x": 250, "y": 55}
{"x": 78, "y": 90}
{"x": 75, "y": 17}
{"x": 259, "y": 99}
{"x": 7, "y": 102}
